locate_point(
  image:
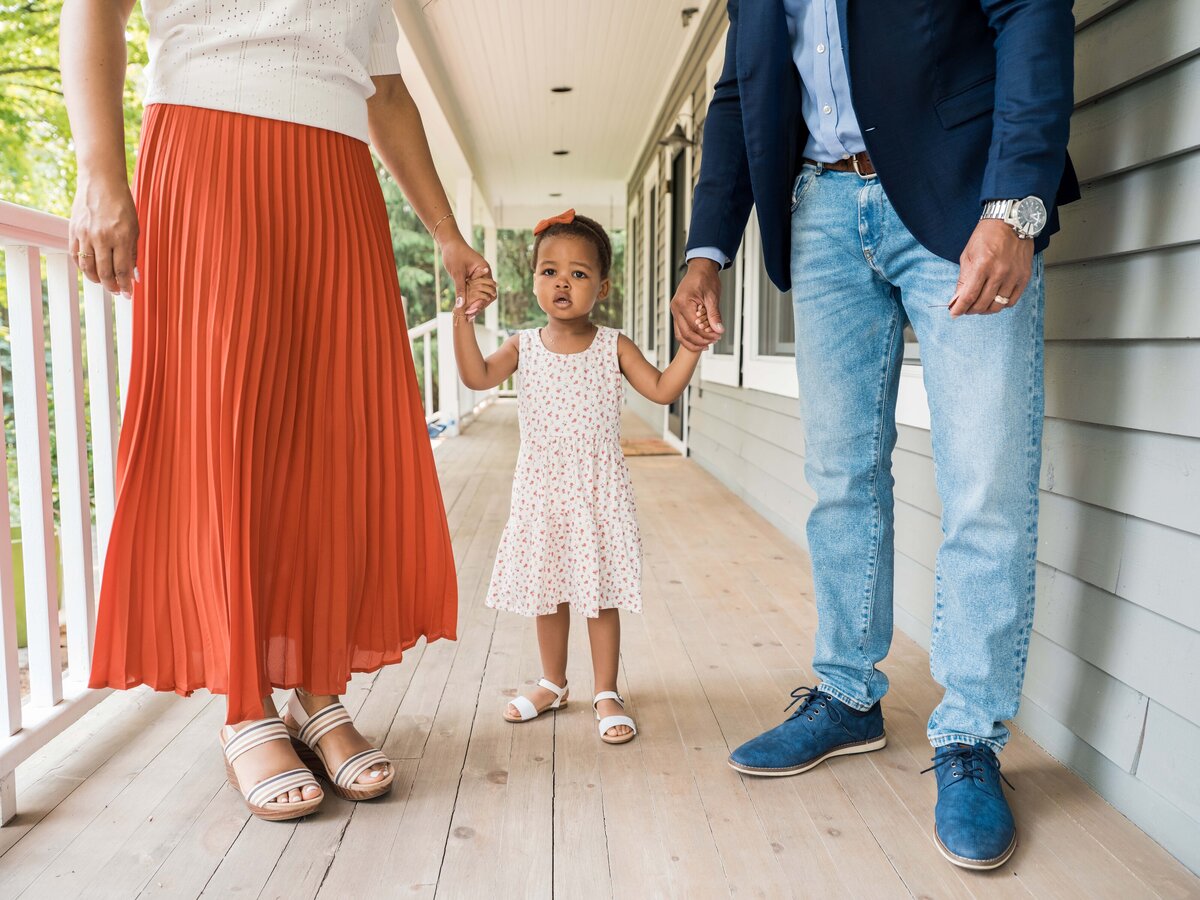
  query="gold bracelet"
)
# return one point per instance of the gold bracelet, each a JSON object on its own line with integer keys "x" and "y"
{"x": 434, "y": 230}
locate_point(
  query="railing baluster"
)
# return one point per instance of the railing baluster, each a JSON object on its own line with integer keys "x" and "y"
{"x": 75, "y": 514}
{"x": 428, "y": 339}
{"x": 124, "y": 312}
{"x": 10, "y": 666}
{"x": 102, "y": 388}
{"x": 32, "y": 416}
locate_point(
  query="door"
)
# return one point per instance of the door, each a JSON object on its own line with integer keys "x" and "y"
{"x": 679, "y": 188}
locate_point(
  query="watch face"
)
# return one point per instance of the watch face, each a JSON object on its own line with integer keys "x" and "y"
{"x": 1031, "y": 216}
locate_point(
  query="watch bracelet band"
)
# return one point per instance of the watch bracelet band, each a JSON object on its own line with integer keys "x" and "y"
{"x": 996, "y": 209}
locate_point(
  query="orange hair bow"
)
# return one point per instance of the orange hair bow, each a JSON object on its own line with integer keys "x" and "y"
{"x": 561, "y": 219}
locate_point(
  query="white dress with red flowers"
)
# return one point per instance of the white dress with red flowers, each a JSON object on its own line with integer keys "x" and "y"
{"x": 572, "y": 534}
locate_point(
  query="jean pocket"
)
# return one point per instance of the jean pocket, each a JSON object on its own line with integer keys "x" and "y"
{"x": 801, "y": 185}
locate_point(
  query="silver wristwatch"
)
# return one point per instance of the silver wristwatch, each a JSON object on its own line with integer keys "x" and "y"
{"x": 1027, "y": 217}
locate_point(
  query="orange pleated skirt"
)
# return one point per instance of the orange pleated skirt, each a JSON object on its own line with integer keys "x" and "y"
{"x": 279, "y": 521}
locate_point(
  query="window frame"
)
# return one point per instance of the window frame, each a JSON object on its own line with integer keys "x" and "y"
{"x": 726, "y": 368}
{"x": 771, "y": 374}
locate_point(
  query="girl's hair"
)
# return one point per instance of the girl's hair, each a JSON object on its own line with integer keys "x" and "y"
{"x": 583, "y": 227}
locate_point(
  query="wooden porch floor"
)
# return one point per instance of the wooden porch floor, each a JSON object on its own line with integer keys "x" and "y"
{"x": 132, "y": 800}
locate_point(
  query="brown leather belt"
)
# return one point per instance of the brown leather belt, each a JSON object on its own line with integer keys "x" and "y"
{"x": 859, "y": 163}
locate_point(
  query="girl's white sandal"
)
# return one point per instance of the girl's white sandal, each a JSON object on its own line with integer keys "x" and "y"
{"x": 611, "y": 721}
{"x": 306, "y": 737}
{"x": 260, "y": 799}
{"x": 525, "y": 708}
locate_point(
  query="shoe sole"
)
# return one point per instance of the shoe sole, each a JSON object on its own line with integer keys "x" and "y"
{"x": 845, "y": 750}
{"x": 978, "y": 865}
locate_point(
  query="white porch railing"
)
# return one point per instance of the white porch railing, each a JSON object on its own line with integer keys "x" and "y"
{"x": 458, "y": 404}
{"x": 425, "y": 334}
{"x": 32, "y": 239}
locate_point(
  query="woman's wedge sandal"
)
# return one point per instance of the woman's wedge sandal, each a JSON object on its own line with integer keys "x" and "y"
{"x": 612, "y": 721}
{"x": 307, "y": 731}
{"x": 525, "y": 708}
{"x": 260, "y": 799}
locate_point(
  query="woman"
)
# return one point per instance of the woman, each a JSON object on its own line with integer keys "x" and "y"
{"x": 279, "y": 521}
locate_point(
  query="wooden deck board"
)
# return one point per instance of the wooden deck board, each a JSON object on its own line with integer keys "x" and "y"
{"x": 482, "y": 808}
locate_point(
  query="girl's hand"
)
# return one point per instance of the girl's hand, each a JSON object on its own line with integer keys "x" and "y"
{"x": 463, "y": 264}
{"x": 104, "y": 233}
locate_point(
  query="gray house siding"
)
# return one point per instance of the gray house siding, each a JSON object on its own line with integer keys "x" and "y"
{"x": 1114, "y": 671}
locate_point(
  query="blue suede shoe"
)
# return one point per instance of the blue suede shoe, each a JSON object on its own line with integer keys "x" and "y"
{"x": 974, "y": 826}
{"x": 820, "y": 728}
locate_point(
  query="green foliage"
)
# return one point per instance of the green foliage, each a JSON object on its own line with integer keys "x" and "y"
{"x": 37, "y": 160}
{"x": 37, "y": 169}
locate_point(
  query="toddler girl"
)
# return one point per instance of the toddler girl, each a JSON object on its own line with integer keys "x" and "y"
{"x": 572, "y": 539}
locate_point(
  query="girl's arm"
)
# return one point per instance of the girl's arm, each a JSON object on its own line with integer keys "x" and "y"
{"x": 661, "y": 387}
{"x": 477, "y": 373}
{"x": 104, "y": 224}
{"x": 398, "y": 136}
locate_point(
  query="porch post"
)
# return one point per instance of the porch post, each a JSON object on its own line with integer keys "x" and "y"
{"x": 491, "y": 316}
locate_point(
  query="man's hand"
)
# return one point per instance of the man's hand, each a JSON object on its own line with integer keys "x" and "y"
{"x": 698, "y": 297}
{"x": 996, "y": 263}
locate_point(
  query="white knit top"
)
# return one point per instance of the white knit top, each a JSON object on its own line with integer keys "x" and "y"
{"x": 303, "y": 61}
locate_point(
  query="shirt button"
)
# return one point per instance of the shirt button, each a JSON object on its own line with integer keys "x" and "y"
{"x": 827, "y": 109}
{"x": 820, "y": 48}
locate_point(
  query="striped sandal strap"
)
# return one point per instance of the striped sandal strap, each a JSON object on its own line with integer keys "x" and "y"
{"x": 268, "y": 789}
{"x": 257, "y": 733}
{"x": 322, "y": 722}
{"x": 349, "y": 771}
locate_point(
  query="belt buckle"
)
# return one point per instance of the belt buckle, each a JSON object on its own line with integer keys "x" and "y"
{"x": 858, "y": 171}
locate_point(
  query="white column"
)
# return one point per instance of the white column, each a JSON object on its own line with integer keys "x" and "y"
{"x": 491, "y": 317}
{"x": 464, "y": 207}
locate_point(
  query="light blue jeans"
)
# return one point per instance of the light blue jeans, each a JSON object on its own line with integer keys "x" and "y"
{"x": 859, "y": 276}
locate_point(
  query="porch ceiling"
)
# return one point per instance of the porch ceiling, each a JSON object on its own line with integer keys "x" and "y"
{"x": 490, "y": 66}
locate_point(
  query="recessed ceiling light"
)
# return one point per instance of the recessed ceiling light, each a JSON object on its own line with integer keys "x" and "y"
{"x": 556, "y": 194}
{"x": 561, "y": 152}
{"x": 561, "y": 89}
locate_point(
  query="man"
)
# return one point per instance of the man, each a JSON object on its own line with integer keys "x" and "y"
{"x": 922, "y": 146}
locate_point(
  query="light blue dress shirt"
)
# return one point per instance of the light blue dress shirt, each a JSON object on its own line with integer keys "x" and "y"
{"x": 833, "y": 129}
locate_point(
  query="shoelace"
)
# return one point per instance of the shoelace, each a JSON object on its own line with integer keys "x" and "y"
{"x": 971, "y": 760}
{"x": 811, "y": 701}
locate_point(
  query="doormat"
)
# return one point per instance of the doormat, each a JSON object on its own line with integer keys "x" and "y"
{"x": 647, "y": 447}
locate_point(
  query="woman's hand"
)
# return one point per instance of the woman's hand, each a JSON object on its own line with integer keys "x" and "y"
{"x": 463, "y": 265}
{"x": 104, "y": 233}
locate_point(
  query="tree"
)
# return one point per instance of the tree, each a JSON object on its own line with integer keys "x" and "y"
{"x": 37, "y": 158}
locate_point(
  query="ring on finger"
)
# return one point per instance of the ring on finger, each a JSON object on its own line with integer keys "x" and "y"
{"x": 1002, "y": 300}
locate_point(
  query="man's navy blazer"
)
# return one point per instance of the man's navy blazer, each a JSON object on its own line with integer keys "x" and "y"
{"x": 960, "y": 101}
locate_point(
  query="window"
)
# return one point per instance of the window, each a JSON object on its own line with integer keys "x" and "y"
{"x": 652, "y": 265}
{"x": 777, "y": 322}
{"x": 769, "y": 343}
{"x": 731, "y": 310}
{"x": 633, "y": 309}
{"x": 723, "y": 362}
